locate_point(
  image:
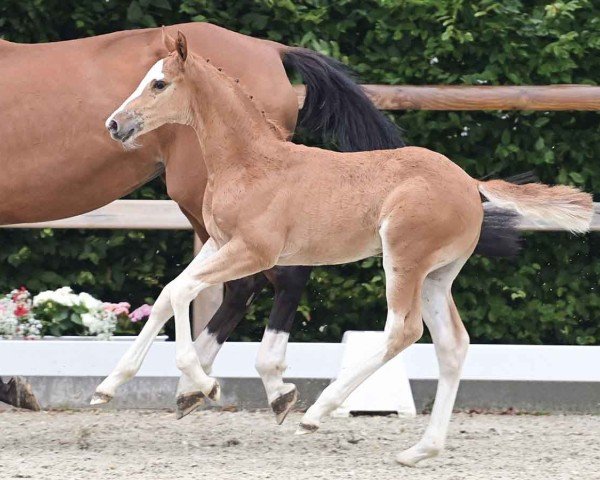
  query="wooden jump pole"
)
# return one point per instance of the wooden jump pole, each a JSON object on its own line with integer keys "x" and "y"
{"x": 484, "y": 97}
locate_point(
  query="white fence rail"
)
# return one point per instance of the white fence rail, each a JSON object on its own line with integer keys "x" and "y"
{"x": 165, "y": 215}
{"x": 305, "y": 360}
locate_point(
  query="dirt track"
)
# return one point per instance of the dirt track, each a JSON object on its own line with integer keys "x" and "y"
{"x": 224, "y": 445}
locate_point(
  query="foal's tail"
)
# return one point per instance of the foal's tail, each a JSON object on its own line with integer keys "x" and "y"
{"x": 336, "y": 108}
{"x": 560, "y": 206}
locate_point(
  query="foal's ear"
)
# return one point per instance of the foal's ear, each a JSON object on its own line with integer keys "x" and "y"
{"x": 168, "y": 41}
{"x": 181, "y": 45}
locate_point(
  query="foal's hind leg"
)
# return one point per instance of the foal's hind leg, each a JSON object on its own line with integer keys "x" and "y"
{"x": 404, "y": 276}
{"x": 451, "y": 342}
{"x": 239, "y": 294}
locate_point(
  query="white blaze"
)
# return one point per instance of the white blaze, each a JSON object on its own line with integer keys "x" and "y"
{"x": 155, "y": 73}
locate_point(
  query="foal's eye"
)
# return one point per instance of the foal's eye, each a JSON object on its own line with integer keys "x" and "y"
{"x": 159, "y": 85}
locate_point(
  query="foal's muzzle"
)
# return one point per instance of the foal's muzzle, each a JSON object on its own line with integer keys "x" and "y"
{"x": 123, "y": 126}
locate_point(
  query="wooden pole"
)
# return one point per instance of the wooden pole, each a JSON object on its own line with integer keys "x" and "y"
{"x": 484, "y": 97}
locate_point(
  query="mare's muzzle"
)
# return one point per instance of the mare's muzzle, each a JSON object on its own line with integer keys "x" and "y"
{"x": 123, "y": 126}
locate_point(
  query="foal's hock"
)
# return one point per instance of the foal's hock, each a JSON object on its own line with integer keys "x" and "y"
{"x": 270, "y": 202}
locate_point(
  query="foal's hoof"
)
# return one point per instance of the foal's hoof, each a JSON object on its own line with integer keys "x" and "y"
{"x": 100, "y": 398}
{"x": 188, "y": 402}
{"x": 215, "y": 393}
{"x": 282, "y": 405}
{"x": 406, "y": 460}
{"x": 306, "y": 428}
{"x": 415, "y": 454}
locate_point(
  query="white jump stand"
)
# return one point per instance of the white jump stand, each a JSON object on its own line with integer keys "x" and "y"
{"x": 387, "y": 390}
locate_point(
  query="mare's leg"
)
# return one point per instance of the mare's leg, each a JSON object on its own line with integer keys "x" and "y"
{"x": 131, "y": 362}
{"x": 289, "y": 283}
{"x": 404, "y": 273}
{"x": 239, "y": 294}
{"x": 451, "y": 342}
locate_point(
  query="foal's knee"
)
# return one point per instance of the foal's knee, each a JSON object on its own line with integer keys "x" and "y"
{"x": 182, "y": 292}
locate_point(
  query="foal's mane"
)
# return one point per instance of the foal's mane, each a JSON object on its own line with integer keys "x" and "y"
{"x": 241, "y": 92}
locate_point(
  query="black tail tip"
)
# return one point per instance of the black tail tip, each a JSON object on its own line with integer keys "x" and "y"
{"x": 499, "y": 234}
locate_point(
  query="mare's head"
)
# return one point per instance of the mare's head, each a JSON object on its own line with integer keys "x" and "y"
{"x": 161, "y": 97}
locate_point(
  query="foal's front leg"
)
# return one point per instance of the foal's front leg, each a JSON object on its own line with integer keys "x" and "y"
{"x": 238, "y": 296}
{"x": 231, "y": 262}
{"x": 131, "y": 362}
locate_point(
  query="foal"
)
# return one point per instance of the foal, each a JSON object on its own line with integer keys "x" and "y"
{"x": 271, "y": 202}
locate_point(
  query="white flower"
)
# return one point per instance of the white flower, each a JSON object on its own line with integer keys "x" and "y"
{"x": 100, "y": 323}
{"x": 63, "y": 296}
{"x": 88, "y": 301}
{"x": 433, "y": 61}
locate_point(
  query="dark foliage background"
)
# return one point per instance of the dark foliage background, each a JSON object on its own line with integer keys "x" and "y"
{"x": 549, "y": 295}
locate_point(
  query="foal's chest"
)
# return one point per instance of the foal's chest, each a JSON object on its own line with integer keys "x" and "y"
{"x": 220, "y": 212}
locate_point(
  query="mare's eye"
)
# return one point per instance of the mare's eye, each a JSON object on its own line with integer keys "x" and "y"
{"x": 159, "y": 85}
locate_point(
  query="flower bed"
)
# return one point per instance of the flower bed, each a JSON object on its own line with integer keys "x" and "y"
{"x": 62, "y": 313}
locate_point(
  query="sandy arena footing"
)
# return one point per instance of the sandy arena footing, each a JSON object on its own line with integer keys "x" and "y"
{"x": 232, "y": 445}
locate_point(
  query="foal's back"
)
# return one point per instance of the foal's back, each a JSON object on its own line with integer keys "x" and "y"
{"x": 339, "y": 201}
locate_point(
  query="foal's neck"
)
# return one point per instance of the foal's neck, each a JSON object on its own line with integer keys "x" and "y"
{"x": 233, "y": 131}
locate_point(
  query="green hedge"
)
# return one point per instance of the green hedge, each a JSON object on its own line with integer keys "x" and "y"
{"x": 549, "y": 295}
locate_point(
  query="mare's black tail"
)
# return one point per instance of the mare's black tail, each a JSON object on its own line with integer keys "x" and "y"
{"x": 336, "y": 108}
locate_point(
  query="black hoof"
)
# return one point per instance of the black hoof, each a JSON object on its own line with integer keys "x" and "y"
{"x": 187, "y": 403}
{"x": 281, "y": 406}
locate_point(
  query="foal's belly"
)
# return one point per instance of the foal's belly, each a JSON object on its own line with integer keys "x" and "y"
{"x": 331, "y": 251}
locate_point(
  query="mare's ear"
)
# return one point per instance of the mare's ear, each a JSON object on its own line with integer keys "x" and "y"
{"x": 168, "y": 41}
{"x": 181, "y": 45}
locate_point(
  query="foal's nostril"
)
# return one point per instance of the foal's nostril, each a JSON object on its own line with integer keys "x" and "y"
{"x": 113, "y": 126}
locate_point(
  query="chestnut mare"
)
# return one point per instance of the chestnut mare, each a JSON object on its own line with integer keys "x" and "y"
{"x": 50, "y": 93}
{"x": 270, "y": 202}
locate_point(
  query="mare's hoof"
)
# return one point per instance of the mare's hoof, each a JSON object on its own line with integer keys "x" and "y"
{"x": 306, "y": 428}
{"x": 282, "y": 405}
{"x": 100, "y": 398}
{"x": 188, "y": 402}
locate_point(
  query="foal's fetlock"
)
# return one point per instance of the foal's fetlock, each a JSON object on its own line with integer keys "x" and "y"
{"x": 282, "y": 405}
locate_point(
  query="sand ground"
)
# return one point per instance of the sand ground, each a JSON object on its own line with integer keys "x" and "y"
{"x": 232, "y": 445}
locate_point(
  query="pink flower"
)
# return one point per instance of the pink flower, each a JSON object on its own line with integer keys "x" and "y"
{"x": 121, "y": 308}
{"x": 140, "y": 313}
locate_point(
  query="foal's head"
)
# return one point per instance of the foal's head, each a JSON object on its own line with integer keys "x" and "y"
{"x": 161, "y": 97}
